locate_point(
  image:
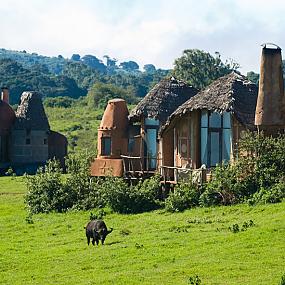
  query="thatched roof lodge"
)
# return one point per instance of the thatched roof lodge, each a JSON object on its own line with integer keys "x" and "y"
{"x": 205, "y": 129}
{"x": 165, "y": 97}
{"x": 231, "y": 93}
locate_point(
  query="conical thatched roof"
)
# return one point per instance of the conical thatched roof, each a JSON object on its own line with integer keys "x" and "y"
{"x": 162, "y": 100}
{"x": 232, "y": 92}
{"x": 30, "y": 113}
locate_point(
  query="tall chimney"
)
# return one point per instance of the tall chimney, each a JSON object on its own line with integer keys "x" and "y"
{"x": 270, "y": 107}
{"x": 5, "y": 94}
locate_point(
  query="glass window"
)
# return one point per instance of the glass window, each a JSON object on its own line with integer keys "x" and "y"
{"x": 151, "y": 147}
{"x": 216, "y": 139}
{"x": 204, "y": 119}
{"x": 151, "y": 122}
{"x": 227, "y": 120}
{"x": 215, "y": 148}
{"x": 204, "y": 144}
{"x": 28, "y": 141}
{"x": 106, "y": 146}
{"x": 215, "y": 120}
{"x": 227, "y": 138}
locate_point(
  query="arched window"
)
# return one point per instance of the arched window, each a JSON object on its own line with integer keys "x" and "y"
{"x": 215, "y": 137}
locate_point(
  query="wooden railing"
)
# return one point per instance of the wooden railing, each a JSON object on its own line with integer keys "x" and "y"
{"x": 173, "y": 174}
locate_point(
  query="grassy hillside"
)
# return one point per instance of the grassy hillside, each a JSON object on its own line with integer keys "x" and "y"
{"x": 78, "y": 123}
{"x": 150, "y": 248}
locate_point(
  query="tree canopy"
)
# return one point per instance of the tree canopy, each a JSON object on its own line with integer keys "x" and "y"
{"x": 200, "y": 68}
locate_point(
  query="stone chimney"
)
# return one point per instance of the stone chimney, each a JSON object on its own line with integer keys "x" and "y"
{"x": 270, "y": 107}
{"x": 5, "y": 94}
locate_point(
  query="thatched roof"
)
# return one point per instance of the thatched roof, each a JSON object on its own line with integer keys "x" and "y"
{"x": 162, "y": 100}
{"x": 30, "y": 113}
{"x": 232, "y": 92}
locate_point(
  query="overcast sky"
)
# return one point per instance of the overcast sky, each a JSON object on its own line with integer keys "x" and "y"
{"x": 147, "y": 31}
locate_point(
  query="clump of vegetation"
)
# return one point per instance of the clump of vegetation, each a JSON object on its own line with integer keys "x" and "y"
{"x": 194, "y": 280}
{"x": 123, "y": 198}
{"x": 49, "y": 191}
{"x": 235, "y": 228}
{"x": 274, "y": 194}
{"x": 185, "y": 196}
{"x": 257, "y": 175}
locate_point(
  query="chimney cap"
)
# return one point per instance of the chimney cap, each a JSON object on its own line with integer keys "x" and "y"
{"x": 270, "y": 44}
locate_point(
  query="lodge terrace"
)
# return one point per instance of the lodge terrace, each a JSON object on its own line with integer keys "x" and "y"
{"x": 177, "y": 131}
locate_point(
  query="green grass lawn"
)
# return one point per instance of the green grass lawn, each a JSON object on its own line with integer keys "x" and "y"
{"x": 149, "y": 248}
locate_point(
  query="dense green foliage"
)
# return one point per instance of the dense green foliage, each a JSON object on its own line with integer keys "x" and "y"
{"x": 199, "y": 68}
{"x": 48, "y": 191}
{"x": 149, "y": 248}
{"x": 100, "y": 93}
{"x": 257, "y": 174}
{"x": 185, "y": 196}
{"x": 19, "y": 79}
{"x": 57, "y": 76}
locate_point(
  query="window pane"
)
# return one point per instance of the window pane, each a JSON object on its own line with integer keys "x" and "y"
{"x": 151, "y": 135}
{"x": 204, "y": 148}
{"x": 227, "y": 120}
{"x": 106, "y": 146}
{"x": 215, "y": 148}
{"x": 204, "y": 119}
{"x": 151, "y": 122}
{"x": 215, "y": 120}
{"x": 226, "y": 144}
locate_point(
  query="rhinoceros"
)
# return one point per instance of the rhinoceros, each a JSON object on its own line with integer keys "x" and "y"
{"x": 97, "y": 230}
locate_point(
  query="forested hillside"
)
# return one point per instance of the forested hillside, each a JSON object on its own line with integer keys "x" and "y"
{"x": 57, "y": 76}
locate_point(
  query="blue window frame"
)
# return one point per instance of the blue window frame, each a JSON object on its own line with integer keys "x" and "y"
{"x": 215, "y": 137}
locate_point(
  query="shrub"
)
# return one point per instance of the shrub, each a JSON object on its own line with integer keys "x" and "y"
{"x": 125, "y": 199}
{"x": 194, "y": 280}
{"x": 260, "y": 166}
{"x": 274, "y": 194}
{"x": 184, "y": 196}
{"x": 223, "y": 188}
{"x": 46, "y": 191}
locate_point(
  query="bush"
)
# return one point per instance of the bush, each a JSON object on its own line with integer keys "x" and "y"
{"x": 46, "y": 191}
{"x": 49, "y": 191}
{"x": 275, "y": 194}
{"x": 223, "y": 188}
{"x": 184, "y": 196}
{"x": 255, "y": 174}
{"x": 123, "y": 198}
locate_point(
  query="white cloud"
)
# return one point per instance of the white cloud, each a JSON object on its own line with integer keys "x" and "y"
{"x": 148, "y": 31}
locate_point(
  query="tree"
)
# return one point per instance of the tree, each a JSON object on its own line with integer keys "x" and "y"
{"x": 111, "y": 62}
{"x": 129, "y": 66}
{"x": 101, "y": 93}
{"x": 200, "y": 68}
{"x": 93, "y": 62}
{"x": 254, "y": 77}
{"x": 149, "y": 68}
{"x": 75, "y": 57}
